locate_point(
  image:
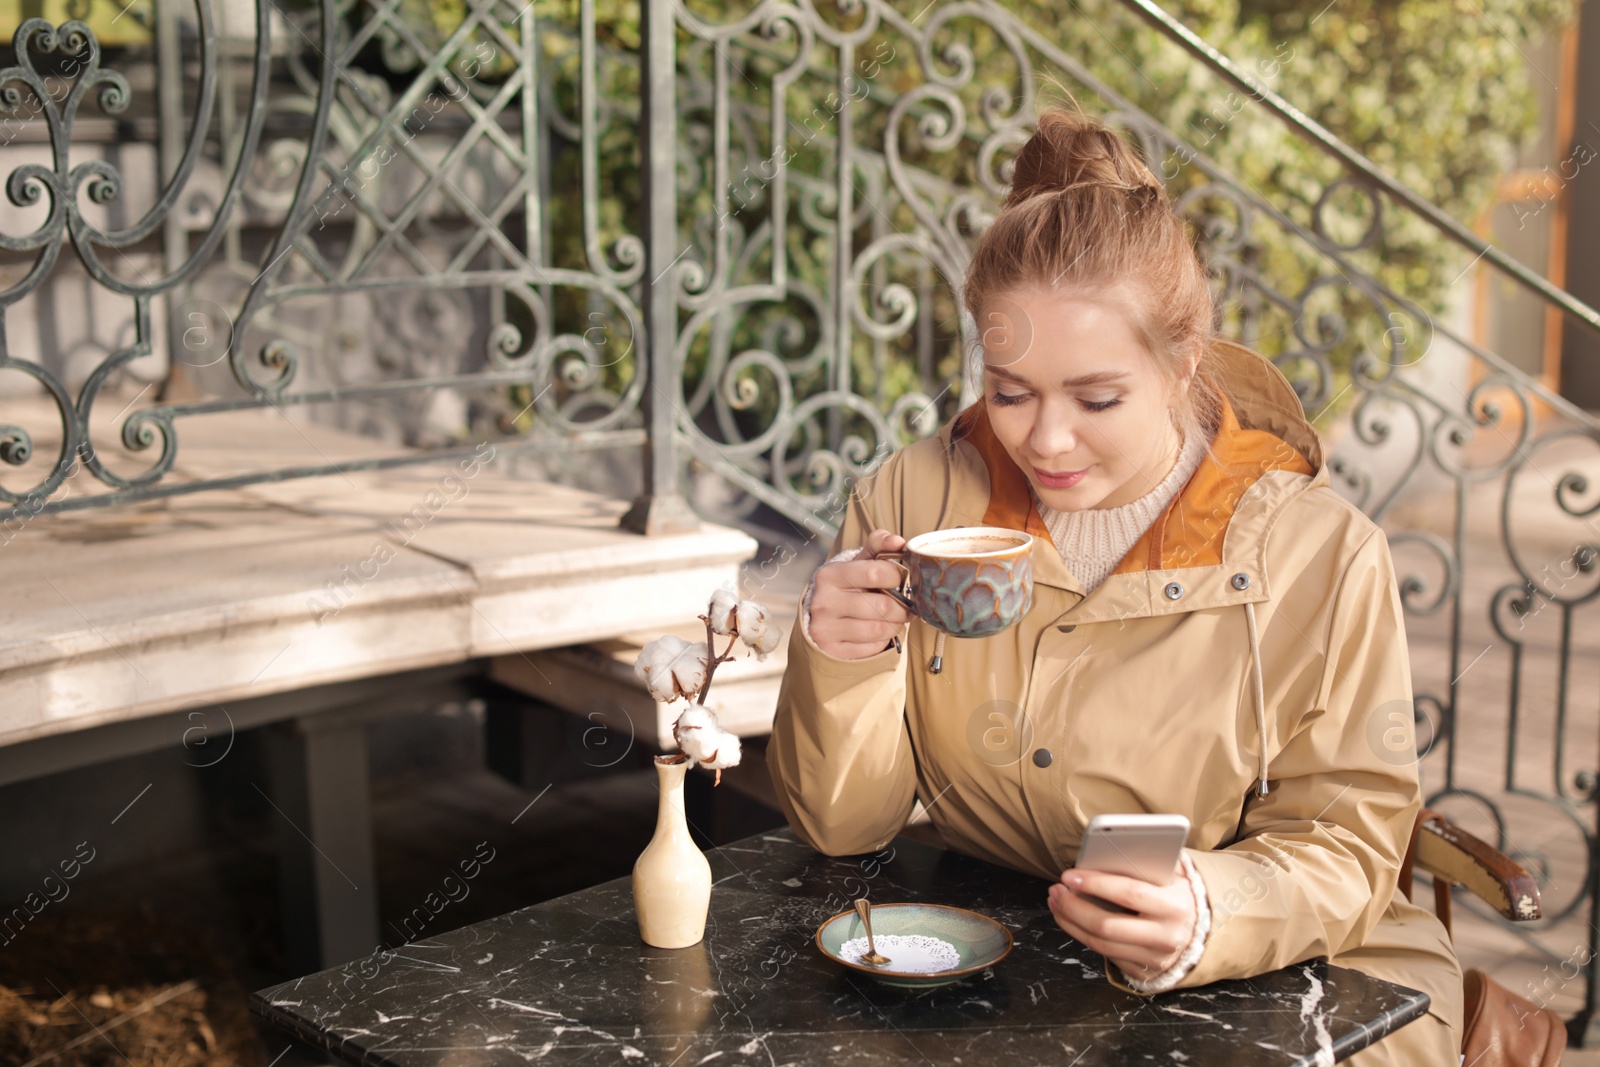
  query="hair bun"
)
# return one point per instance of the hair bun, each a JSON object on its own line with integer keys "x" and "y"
{"x": 1070, "y": 151}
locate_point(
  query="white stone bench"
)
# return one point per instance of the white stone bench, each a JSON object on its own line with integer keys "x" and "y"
{"x": 316, "y": 603}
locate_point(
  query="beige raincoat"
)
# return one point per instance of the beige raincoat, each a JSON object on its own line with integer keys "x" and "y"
{"x": 1252, "y": 637}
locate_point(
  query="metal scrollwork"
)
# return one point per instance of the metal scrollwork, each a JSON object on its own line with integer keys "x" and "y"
{"x": 70, "y": 195}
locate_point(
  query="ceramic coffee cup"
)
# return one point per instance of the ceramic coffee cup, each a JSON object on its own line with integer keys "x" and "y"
{"x": 973, "y": 581}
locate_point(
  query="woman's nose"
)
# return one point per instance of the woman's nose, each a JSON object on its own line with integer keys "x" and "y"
{"x": 1053, "y": 432}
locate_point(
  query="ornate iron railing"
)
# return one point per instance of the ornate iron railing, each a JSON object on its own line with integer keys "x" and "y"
{"x": 439, "y": 222}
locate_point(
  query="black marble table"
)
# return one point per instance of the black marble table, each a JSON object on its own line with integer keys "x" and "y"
{"x": 569, "y": 981}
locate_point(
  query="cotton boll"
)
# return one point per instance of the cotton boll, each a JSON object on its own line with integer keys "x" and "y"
{"x": 767, "y": 642}
{"x": 709, "y": 745}
{"x": 697, "y": 717}
{"x": 753, "y": 622}
{"x": 654, "y": 665}
{"x": 671, "y": 667}
{"x": 689, "y": 671}
{"x": 699, "y": 744}
{"x": 704, "y": 740}
{"x": 726, "y": 754}
{"x": 697, "y": 731}
{"x": 656, "y": 652}
{"x": 723, "y": 612}
{"x": 757, "y": 630}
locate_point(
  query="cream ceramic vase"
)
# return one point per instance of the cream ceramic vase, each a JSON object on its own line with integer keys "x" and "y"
{"x": 671, "y": 878}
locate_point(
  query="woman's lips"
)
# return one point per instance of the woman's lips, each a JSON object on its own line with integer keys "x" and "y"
{"x": 1059, "y": 479}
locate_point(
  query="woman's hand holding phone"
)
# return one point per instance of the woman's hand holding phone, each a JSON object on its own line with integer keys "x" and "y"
{"x": 1128, "y": 897}
{"x": 851, "y": 616}
{"x": 1143, "y": 944}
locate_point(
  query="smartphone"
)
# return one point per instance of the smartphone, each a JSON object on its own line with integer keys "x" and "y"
{"x": 1146, "y": 847}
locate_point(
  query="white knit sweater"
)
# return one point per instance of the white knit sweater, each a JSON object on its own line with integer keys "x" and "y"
{"x": 1093, "y": 541}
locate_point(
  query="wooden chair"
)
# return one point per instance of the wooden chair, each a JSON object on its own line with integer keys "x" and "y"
{"x": 1454, "y": 857}
{"x": 1501, "y": 1029}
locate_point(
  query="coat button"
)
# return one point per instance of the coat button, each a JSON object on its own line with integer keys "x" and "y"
{"x": 1174, "y": 590}
{"x": 1042, "y": 757}
{"x": 1067, "y": 629}
{"x": 1241, "y": 581}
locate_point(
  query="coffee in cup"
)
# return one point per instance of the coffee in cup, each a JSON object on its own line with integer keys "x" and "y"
{"x": 973, "y": 546}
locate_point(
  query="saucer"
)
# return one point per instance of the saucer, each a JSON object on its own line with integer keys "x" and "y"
{"x": 980, "y": 940}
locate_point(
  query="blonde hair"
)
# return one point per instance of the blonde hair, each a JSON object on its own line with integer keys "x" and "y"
{"x": 1086, "y": 216}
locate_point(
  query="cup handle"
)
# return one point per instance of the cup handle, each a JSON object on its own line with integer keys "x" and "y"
{"x": 901, "y": 594}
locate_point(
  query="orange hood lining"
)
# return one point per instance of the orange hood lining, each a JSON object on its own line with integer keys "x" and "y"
{"x": 1189, "y": 533}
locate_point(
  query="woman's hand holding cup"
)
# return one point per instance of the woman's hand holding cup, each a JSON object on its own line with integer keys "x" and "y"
{"x": 851, "y": 615}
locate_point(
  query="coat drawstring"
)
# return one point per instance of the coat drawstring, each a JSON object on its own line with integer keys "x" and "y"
{"x": 936, "y": 664}
{"x": 1261, "y": 693}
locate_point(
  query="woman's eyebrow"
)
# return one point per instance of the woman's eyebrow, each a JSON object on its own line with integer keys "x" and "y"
{"x": 1099, "y": 377}
{"x": 1001, "y": 372}
{"x": 1102, "y": 377}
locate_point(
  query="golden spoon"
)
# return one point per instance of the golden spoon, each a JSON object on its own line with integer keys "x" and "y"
{"x": 871, "y": 958}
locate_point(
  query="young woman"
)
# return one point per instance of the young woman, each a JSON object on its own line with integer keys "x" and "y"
{"x": 1214, "y": 632}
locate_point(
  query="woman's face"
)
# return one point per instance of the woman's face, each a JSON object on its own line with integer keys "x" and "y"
{"x": 1076, "y": 398}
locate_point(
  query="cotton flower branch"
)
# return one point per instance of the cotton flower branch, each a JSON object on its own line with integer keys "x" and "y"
{"x": 675, "y": 669}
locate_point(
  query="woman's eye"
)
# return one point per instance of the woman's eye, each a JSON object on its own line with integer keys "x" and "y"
{"x": 1099, "y": 405}
{"x": 1007, "y": 399}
